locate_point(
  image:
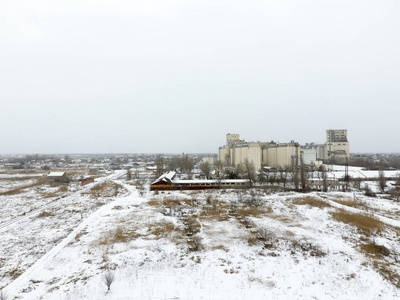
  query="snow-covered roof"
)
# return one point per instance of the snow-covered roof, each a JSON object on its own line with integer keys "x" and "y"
{"x": 363, "y": 174}
{"x": 56, "y": 174}
{"x": 211, "y": 181}
{"x": 166, "y": 177}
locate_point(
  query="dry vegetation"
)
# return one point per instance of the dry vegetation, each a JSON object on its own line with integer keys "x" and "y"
{"x": 388, "y": 272}
{"x": 348, "y": 202}
{"x": 307, "y": 200}
{"x": 20, "y": 188}
{"x": 105, "y": 189}
{"x": 380, "y": 256}
{"x": 63, "y": 188}
{"x": 22, "y": 178}
{"x": 117, "y": 235}
{"x": 256, "y": 212}
{"x": 366, "y": 223}
{"x": 45, "y": 214}
{"x": 126, "y": 232}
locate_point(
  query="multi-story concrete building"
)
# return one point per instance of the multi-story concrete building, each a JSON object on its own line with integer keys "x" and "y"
{"x": 236, "y": 151}
{"x": 337, "y": 147}
{"x": 281, "y": 155}
{"x": 286, "y": 155}
{"x": 271, "y": 154}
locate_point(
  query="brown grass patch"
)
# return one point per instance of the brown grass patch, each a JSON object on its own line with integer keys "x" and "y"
{"x": 310, "y": 201}
{"x": 388, "y": 273}
{"x": 192, "y": 225}
{"x": 16, "y": 272}
{"x": 163, "y": 229}
{"x": 50, "y": 195}
{"x": 22, "y": 178}
{"x": 218, "y": 211}
{"x": 20, "y": 188}
{"x": 254, "y": 211}
{"x": 117, "y": 235}
{"x": 62, "y": 190}
{"x": 375, "y": 249}
{"x": 253, "y": 240}
{"x": 105, "y": 189}
{"x": 365, "y": 223}
{"x": 154, "y": 202}
{"x": 347, "y": 202}
{"x": 221, "y": 247}
{"x": 45, "y": 214}
{"x": 306, "y": 247}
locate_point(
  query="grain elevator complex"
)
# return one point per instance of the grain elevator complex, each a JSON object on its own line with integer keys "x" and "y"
{"x": 336, "y": 149}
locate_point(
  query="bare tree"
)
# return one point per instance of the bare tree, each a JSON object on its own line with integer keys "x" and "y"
{"x": 256, "y": 198}
{"x": 174, "y": 163}
{"x": 368, "y": 191}
{"x": 128, "y": 174}
{"x": 108, "y": 280}
{"x": 159, "y": 161}
{"x": 398, "y": 179}
{"x": 261, "y": 177}
{"x": 249, "y": 169}
{"x": 357, "y": 184}
{"x": 219, "y": 165}
{"x": 303, "y": 176}
{"x": 3, "y": 295}
{"x": 186, "y": 164}
{"x": 382, "y": 180}
{"x": 296, "y": 177}
{"x": 395, "y": 194}
{"x": 67, "y": 159}
{"x": 205, "y": 168}
{"x": 272, "y": 178}
{"x": 324, "y": 179}
{"x": 284, "y": 176}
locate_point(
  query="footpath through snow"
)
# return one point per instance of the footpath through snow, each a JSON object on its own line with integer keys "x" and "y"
{"x": 36, "y": 267}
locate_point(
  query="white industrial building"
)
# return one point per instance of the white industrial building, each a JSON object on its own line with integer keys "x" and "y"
{"x": 284, "y": 155}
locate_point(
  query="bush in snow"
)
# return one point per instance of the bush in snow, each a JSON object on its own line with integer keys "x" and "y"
{"x": 108, "y": 280}
{"x": 3, "y": 295}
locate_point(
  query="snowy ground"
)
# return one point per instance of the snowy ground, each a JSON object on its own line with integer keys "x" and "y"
{"x": 222, "y": 244}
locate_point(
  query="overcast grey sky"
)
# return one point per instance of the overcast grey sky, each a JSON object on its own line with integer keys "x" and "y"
{"x": 175, "y": 76}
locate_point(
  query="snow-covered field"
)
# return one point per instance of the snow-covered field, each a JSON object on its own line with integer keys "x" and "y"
{"x": 222, "y": 244}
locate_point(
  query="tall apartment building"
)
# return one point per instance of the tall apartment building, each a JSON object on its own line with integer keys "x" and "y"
{"x": 337, "y": 147}
{"x": 336, "y": 135}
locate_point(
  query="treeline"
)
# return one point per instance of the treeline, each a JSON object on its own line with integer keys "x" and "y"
{"x": 376, "y": 161}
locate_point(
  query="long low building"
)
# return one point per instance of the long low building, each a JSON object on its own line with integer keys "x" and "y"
{"x": 167, "y": 182}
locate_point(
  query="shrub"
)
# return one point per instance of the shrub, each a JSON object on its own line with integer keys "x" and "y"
{"x": 375, "y": 249}
{"x": 45, "y": 214}
{"x": 368, "y": 192}
{"x": 108, "y": 280}
{"x": 347, "y": 202}
{"x": 195, "y": 243}
{"x": 3, "y": 295}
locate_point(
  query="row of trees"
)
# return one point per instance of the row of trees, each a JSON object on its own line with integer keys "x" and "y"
{"x": 184, "y": 163}
{"x": 299, "y": 176}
